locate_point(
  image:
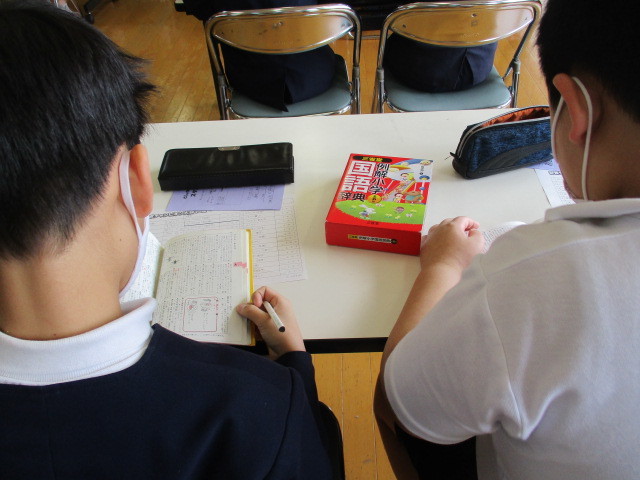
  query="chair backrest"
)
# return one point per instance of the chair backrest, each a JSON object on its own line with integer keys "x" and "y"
{"x": 284, "y": 30}
{"x": 462, "y": 23}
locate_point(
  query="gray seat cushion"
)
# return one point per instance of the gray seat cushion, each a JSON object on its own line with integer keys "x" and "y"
{"x": 488, "y": 94}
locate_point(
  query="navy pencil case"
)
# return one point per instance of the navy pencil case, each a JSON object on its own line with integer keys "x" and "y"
{"x": 508, "y": 141}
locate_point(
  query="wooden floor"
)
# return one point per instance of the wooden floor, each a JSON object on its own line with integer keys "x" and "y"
{"x": 174, "y": 44}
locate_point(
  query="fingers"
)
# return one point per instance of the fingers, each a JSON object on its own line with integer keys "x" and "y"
{"x": 255, "y": 314}
{"x": 453, "y": 242}
{"x": 268, "y": 294}
{"x": 279, "y": 340}
{"x": 258, "y": 296}
{"x": 476, "y": 233}
{"x": 465, "y": 224}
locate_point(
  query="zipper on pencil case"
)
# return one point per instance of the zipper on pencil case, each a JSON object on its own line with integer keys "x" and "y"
{"x": 482, "y": 126}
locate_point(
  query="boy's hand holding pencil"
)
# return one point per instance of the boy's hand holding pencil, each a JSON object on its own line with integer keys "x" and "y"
{"x": 276, "y": 322}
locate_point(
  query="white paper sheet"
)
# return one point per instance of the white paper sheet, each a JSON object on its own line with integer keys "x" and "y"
{"x": 241, "y": 198}
{"x": 495, "y": 232}
{"x": 277, "y": 256}
{"x": 553, "y": 185}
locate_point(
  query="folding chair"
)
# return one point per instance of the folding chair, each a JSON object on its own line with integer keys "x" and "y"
{"x": 456, "y": 24}
{"x": 85, "y": 11}
{"x": 286, "y": 30}
{"x": 68, "y": 5}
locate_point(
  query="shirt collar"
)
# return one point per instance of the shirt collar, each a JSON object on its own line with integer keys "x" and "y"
{"x": 106, "y": 349}
{"x": 599, "y": 209}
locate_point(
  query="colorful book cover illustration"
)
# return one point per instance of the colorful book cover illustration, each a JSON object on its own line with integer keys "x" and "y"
{"x": 380, "y": 204}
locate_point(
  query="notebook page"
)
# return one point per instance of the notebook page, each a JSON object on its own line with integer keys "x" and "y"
{"x": 203, "y": 277}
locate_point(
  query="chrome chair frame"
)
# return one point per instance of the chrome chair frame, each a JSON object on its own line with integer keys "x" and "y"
{"x": 473, "y": 23}
{"x": 284, "y": 30}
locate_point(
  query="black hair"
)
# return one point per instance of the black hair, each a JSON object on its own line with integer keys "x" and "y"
{"x": 596, "y": 37}
{"x": 69, "y": 98}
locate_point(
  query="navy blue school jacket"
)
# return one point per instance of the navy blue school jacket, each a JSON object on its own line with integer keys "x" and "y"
{"x": 275, "y": 80}
{"x": 185, "y": 410}
{"x": 437, "y": 69}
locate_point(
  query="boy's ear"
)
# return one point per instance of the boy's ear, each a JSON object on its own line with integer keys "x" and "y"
{"x": 576, "y": 104}
{"x": 140, "y": 180}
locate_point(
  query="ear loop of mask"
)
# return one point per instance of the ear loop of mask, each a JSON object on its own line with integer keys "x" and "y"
{"x": 585, "y": 156}
{"x": 125, "y": 191}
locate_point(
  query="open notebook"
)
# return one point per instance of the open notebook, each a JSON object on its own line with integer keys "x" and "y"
{"x": 198, "y": 279}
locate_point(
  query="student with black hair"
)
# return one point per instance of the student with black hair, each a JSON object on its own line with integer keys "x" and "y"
{"x": 533, "y": 347}
{"x": 88, "y": 389}
{"x": 274, "y": 80}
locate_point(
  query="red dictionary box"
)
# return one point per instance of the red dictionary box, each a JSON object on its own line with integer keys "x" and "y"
{"x": 380, "y": 204}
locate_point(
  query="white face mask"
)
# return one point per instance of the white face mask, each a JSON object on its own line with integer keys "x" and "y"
{"x": 585, "y": 156}
{"x": 125, "y": 190}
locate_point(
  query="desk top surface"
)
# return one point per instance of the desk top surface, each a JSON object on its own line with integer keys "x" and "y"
{"x": 352, "y": 293}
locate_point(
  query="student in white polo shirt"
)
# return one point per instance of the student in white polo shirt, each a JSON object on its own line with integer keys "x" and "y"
{"x": 534, "y": 347}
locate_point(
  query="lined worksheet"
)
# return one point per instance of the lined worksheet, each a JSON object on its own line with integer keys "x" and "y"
{"x": 553, "y": 185}
{"x": 261, "y": 197}
{"x": 497, "y": 231}
{"x": 277, "y": 256}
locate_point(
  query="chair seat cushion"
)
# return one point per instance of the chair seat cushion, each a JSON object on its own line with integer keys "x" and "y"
{"x": 276, "y": 80}
{"x": 336, "y": 99}
{"x": 433, "y": 68}
{"x": 488, "y": 94}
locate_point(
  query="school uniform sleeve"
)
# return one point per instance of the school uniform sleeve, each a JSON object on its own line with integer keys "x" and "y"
{"x": 302, "y": 363}
{"x": 303, "y": 454}
{"x": 447, "y": 380}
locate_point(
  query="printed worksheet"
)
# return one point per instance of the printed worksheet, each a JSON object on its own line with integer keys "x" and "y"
{"x": 553, "y": 185}
{"x": 550, "y": 164}
{"x": 493, "y": 233}
{"x": 261, "y": 197}
{"x": 277, "y": 256}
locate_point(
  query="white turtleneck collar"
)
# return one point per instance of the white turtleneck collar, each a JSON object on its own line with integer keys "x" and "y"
{"x": 107, "y": 349}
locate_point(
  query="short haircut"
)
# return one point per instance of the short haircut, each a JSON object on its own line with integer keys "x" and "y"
{"x": 594, "y": 37}
{"x": 69, "y": 98}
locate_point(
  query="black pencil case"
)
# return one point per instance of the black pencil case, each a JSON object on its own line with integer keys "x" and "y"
{"x": 235, "y": 166}
{"x": 508, "y": 141}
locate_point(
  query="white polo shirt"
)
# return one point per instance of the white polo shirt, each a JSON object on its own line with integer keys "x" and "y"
{"x": 539, "y": 346}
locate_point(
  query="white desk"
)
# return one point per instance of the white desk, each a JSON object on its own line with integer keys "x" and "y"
{"x": 352, "y": 293}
